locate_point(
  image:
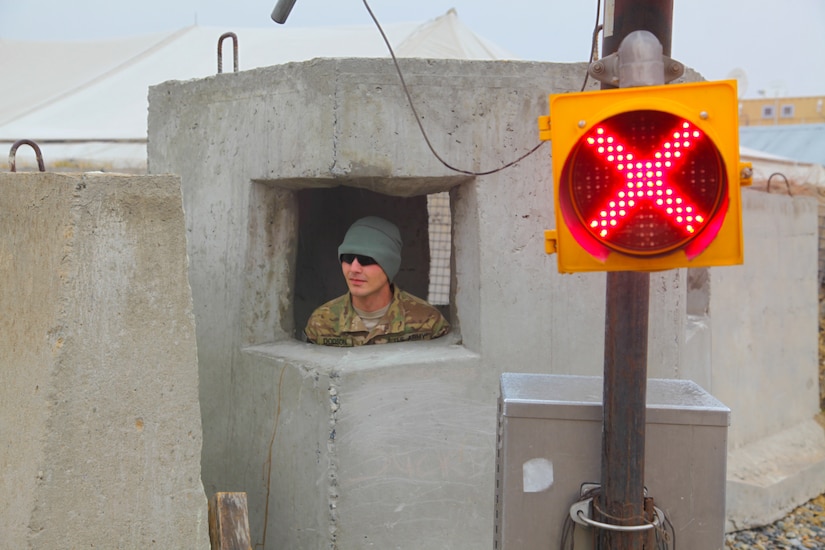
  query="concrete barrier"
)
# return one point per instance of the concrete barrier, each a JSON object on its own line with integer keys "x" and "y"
{"x": 99, "y": 417}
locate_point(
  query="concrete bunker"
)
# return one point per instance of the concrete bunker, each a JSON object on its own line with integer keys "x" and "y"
{"x": 382, "y": 445}
{"x": 361, "y": 447}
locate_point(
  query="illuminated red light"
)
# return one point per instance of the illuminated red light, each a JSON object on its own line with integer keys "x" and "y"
{"x": 648, "y": 179}
{"x": 643, "y": 182}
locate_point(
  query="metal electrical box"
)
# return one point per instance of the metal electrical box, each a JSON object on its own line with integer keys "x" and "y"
{"x": 549, "y": 444}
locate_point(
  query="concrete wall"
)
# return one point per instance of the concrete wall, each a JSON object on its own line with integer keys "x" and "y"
{"x": 245, "y": 145}
{"x": 763, "y": 319}
{"x": 99, "y": 416}
{"x": 364, "y": 448}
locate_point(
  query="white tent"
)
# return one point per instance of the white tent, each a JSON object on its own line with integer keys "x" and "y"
{"x": 85, "y": 103}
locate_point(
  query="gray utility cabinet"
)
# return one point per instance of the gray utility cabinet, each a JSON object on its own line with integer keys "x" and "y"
{"x": 549, "y": 444}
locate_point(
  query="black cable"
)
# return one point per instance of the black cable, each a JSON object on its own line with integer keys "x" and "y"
{"x": 669, "y": 524}
{"x": 568, "y": 534}
{"x": 418, "y": 120}
{"x": 594, "y": 43}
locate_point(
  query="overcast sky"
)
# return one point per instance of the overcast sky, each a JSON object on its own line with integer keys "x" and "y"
{"x": 778, "y": 45}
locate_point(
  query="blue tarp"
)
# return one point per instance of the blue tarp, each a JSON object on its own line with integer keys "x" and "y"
{"x": 802, "y": 142}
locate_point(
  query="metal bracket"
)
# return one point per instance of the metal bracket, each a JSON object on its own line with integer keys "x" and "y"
{"x": 746, "y": 175}
{"x": 606, "y": 69}
{"x": 580, "y": 513}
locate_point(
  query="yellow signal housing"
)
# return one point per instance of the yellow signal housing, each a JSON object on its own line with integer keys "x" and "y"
{"x": 659, "y": 178}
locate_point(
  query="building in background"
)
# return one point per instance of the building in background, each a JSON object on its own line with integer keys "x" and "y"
{"x": 789, "y": 127}
{"x": 773, "y": 111}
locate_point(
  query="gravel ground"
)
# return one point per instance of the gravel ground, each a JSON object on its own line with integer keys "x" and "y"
{"x": 803, "y": 528}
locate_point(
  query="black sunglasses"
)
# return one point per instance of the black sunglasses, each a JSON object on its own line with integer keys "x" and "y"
{"x": 363, "y": 260}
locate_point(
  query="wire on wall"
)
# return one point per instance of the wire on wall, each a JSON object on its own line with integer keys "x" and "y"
{"x": 418, "y": 120}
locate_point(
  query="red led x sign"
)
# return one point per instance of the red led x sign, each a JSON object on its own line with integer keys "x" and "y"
{"x": 643, "y": 183}
{"x": 646, "y": 178}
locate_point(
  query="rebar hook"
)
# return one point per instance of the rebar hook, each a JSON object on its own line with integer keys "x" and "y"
{"x": 784, "y": 177}
{"x": 234, "y": 38}
{"x": 13, "y": 154}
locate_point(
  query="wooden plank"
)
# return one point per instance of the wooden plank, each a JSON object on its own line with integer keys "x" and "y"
{"x": 229, "y": 522}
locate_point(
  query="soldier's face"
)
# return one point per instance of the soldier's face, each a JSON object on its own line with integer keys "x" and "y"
{"x": 364, "y": 281}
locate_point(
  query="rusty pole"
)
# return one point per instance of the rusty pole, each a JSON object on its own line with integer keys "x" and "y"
{"x": 621, "y": 500}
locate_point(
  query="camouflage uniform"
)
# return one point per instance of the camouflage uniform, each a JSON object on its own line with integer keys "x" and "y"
{"x": 408, "y": 318}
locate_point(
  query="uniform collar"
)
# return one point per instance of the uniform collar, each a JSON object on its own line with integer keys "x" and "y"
{"x": 349, "y": 321}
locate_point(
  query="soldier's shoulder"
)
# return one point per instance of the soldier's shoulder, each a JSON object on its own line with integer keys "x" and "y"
{"x": 410, "y": 299}
{"x": 419, "y": 311}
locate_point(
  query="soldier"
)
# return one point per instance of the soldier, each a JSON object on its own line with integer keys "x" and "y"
{"x": 374, "y": 311}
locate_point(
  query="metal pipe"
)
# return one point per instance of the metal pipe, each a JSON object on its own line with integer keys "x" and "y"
{"x": 281, "y": 10}
{"x": 622, "y": 17}
{"x": 626, "y": 305}
{"x": 625, "y": 383}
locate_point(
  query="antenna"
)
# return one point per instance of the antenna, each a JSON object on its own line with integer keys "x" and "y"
{"x": 281, "y": 10}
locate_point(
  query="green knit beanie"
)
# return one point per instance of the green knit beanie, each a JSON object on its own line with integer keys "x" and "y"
{"x": 375, "y": 237}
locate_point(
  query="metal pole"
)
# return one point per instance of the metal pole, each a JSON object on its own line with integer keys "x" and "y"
{"x": 621, "y": 501}
{"x": 622, "y": 17}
